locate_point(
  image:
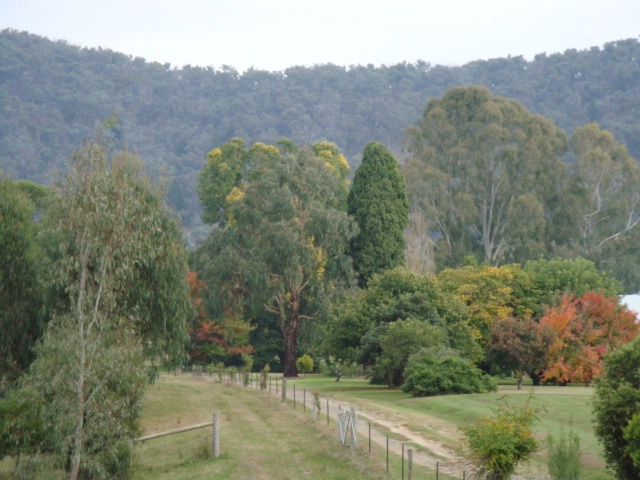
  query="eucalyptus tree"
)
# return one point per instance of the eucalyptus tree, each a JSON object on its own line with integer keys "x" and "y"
{"x": 281, "y": 244}
{"x": 485, "y": 171}
{"x": 117, "y": 277}
{"x": 605, "y": 186}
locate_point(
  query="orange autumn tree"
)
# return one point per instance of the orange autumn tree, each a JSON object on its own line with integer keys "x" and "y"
{"x": 210, "y": 341}
{"x": 587, "y": 328}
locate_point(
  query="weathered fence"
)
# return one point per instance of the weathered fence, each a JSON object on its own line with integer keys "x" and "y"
{"x": 215, "y": 437}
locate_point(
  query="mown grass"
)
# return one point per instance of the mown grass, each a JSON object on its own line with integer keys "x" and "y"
{"x": 261, "y": 438}
{"x": 440, "y": 418}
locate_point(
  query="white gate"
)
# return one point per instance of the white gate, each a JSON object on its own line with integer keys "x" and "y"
{"x": 347, "y": 431}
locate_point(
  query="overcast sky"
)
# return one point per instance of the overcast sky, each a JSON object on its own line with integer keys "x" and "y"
{"x": 276, "y": 34}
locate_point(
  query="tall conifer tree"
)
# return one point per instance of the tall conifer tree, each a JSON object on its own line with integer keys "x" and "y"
{"x": 378, "y": 202}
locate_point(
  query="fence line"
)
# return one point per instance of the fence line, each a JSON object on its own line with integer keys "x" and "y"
{"x": 420, "y": 455}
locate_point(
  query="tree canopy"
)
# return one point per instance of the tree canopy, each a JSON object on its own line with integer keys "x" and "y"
{"x": 283, "y": 245}
{"x": 363, "y": 328}
{"x": 484, "y": 171}
{"x": 606, "y": 181}
{"x": 586, "y": 329}
{"x": 171, "y": 114}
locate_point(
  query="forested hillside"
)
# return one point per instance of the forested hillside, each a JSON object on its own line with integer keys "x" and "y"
{"x": 53, "y": 95}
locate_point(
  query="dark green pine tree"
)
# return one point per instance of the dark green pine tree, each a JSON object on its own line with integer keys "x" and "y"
{"x": 378, "y": 202}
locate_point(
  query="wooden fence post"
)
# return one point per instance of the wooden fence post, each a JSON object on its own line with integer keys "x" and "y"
{"x": 316, "y": 406}
{"x": 284, "y": 389}
{"x": 327, "y": 411}
{"x": 216, "y": 436}
{"x": 387, "y": 453}
{"x": 410, "y": 459}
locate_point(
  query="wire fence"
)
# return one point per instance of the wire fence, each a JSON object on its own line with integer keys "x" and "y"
{"x": 443, "y": 465}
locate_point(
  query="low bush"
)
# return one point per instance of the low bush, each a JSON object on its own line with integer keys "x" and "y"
{"x": 564, "y": 455}
{"x": 442, "y": 372}
{"x": 499, "y": 443}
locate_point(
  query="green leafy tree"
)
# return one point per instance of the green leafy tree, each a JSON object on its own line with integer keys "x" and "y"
{"x": 357, "y": 325}
{"x": 632, "y": 437}
{"x": 554, "y": 278}
{"x": 21, "y": 296}
{"x": 485, "y": 172}
{"x": 616, "y": 402}
{"x": 118, "y": 272}
{"x": 283, "y": 247}
{"x": 499, "y": 443}
{"x": 378, "y": 203}
{"x": 398, "y": 341}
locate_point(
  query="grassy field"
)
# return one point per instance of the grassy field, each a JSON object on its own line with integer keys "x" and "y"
{"x": 439, "y": 418}
{"x": 262, "y": 438}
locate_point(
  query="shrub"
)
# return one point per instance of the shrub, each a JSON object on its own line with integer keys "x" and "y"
{"x": 442, "y": 371}
{"x": 499, "y": 443}
{"x": 615, "y": 403}
{"x": 564, "y": 455}
{"x": 305, "y": 364}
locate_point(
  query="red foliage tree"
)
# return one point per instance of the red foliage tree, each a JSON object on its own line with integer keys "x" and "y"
{"x": 521, "y": 345}
{"x": 211, "y": 341}
{"x": 587, "y": 328}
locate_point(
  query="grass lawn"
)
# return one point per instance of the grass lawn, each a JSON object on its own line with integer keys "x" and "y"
{"x": 261, "y": 438}
{"x": 439, "y": 418}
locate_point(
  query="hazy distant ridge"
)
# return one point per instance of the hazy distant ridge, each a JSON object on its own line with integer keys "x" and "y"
{"x": 54, "y": 95}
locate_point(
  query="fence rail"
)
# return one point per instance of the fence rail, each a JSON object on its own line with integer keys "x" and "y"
{"x": 173, "y": 432}
{"x": 215, "y": 441}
